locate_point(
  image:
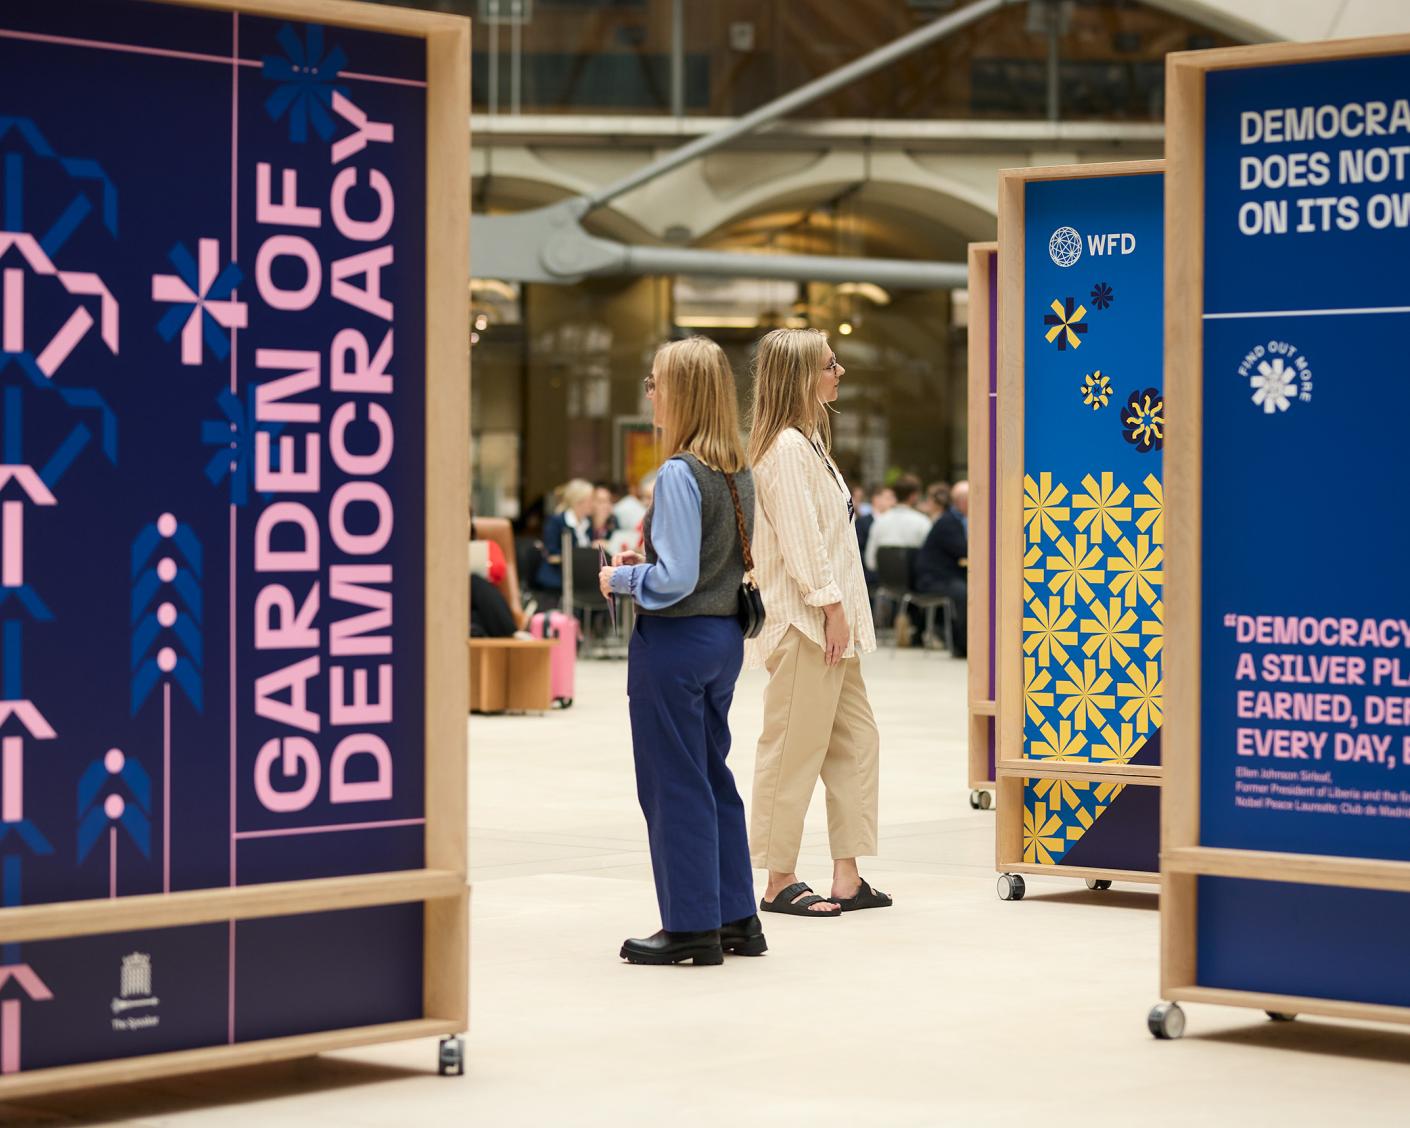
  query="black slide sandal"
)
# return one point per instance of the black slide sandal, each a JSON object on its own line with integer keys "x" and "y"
{"x": 785, "y": 903}
{"x": 866, "y": 898}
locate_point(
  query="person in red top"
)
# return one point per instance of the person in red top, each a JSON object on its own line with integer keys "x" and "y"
{"x": 490, "y": 616}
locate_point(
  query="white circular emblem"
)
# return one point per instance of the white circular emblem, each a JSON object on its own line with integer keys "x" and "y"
{"x": 1065, "y": 247}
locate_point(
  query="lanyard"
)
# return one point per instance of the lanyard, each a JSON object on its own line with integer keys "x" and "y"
{"x": 837, "y": 479}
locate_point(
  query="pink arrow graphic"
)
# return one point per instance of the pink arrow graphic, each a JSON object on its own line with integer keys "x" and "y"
{"x": 83, "y": 283}
{"x": 34, "y": 987}
{"x": 28, "y": 979}
{"x": 29, "y": 481}
{"x": 12, "y": 779}
{"x": 12, "y": 544}
{"x": 32, "y": 719}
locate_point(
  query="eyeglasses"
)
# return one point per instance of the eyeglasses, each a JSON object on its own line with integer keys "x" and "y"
{"x": 830, "y": 366}
{"x": 649, "y": 384}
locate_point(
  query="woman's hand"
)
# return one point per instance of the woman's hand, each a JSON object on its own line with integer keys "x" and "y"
{"x": 836, "y": 633}
{"x": 604, "y": 582}
{"x": 627, "y": 558}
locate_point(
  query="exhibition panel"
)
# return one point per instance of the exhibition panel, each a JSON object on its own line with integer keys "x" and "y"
{"x": 983, "y": 510}
{"x": 1081, "y": 529}
{"x": 235, "y": 395}
{"x": 1285, "y": 851}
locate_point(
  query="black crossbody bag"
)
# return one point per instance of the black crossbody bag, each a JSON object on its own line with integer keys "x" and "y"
{"x": 751, "y": 612}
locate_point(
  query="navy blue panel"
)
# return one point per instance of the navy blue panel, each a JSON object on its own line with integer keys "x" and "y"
{"x": 138, "y": 173}
{"x": 1350, "y": 269}
{"x": 304, "y": 857}
{"x": 1126, "y": 837}
{"x": 323, "y": 971}
{"x": 152, "y": 420}
{"x": 1317, "y": 940}
{"x": 1303, "y": 488}
{"x": 91, "y": 1018}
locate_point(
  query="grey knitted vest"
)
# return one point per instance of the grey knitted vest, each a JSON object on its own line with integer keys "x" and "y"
{"x": 721, "y": 555}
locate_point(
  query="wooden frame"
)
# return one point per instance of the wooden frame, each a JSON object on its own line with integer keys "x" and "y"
{"x": 982, "y": 478}
{"x": 1183, "y": 859}
{"x": 441, "y": 886}
{"x": 1011, "y": 768}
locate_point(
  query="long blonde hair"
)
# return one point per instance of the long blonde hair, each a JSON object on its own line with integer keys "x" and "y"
{"x": 787, "y": 369}
{"x": 701, "y": 416}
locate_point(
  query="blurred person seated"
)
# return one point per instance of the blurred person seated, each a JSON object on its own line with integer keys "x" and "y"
{"x": 602, "y": 521}
{"x": 935, "y": 500}
{"x": 881, "y": 499}
{"x": 631, "y": 537}
{"x": 630, "y": 508}
{"x": 942, "y": 565}
{"x": 572, "y": 516}
{"x": 490, "y": 616}
{"x": 901, "y": 526}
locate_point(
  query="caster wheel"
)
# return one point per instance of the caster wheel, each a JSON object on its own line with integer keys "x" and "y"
{"x": 975, "y": 800}
{"x": 451, "y": 1059}
{"x": 1166, "y": 1021}
{"x": 1098, "y": 884}
{"x": 1281, "y": 1016}
{"x": 986, "y": 800}
{"x": 1011, "y": 887}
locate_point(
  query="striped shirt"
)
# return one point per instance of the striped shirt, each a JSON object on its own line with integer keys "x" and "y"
{"x": 805, "y": 548}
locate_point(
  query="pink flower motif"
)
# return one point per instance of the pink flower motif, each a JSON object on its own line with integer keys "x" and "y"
{"x": 202, "y": 302}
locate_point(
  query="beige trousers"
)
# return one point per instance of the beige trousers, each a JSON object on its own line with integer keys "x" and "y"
{"x": 817, "y": 723}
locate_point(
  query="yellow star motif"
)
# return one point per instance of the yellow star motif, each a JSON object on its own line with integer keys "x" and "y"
{"x": 1046, "y": 633}
{"x": 1119, "y": 747}
{"x": 1152, "y": 507}
{"x": 1145, "y": 693}
{"x": 1084, "y": 695}
{"x": 1036, "y": 693}
{"x": 1100, "y": 509}
{"x": 1042, "y": 506}
{"x": 1065, "y": 324}
{"x": 1136, "y": 570}
{"x": 1111, "y": 628}
{"x": 1041, "y": 834}
{"x": 1064, "y": 744}
{"x": 1032, "y": 570}
{"x": 1059, "y": 793}
{"x": 1154, "y": 629}
{"x": 1075, "y": 569}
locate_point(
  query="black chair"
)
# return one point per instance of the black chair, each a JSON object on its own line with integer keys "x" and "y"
{"x": 581, "y": 578}
{"x": 895, "y": 568}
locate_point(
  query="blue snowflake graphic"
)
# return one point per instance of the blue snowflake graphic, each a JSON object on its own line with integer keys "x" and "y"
{"x": 306, "y": 82}
{"x": 235, "y": 438}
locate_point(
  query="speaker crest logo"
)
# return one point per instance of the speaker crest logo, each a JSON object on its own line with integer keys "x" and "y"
{"x": 135, "y": 993}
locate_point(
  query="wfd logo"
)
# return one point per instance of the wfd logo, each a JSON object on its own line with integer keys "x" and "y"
{"x": 1065, "y": 246}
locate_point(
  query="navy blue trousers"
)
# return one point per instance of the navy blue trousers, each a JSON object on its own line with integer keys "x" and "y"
{"x": 680, "y": 682}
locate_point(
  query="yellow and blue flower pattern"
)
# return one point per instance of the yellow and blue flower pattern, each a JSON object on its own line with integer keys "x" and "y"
{"x": 1093, "y": 643}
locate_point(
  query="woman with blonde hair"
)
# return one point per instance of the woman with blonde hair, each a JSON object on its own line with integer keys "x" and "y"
{"x": 570, "y": 515}
{"x": 817, "y": 719}
{"x": 684, "y": 659}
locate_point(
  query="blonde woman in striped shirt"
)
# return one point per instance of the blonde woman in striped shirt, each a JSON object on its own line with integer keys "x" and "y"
{"x": 817, "y": 719}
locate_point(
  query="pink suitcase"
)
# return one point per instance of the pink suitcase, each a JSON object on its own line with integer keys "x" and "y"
{"x": 562, "y": 663}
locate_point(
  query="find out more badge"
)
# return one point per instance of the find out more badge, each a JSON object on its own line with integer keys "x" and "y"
{"x": 1278, "y": 374}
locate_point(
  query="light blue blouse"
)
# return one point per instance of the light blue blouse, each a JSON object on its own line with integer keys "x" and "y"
{"x": 675, "y": 535}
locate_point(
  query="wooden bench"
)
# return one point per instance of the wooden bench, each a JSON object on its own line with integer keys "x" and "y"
{"x": 510, "y": 675}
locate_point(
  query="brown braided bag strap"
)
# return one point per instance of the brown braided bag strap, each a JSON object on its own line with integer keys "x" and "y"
{"x": 743, "y": 535}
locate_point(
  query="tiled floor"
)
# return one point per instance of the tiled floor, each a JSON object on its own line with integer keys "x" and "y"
{"x": 953, "y": 1008}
